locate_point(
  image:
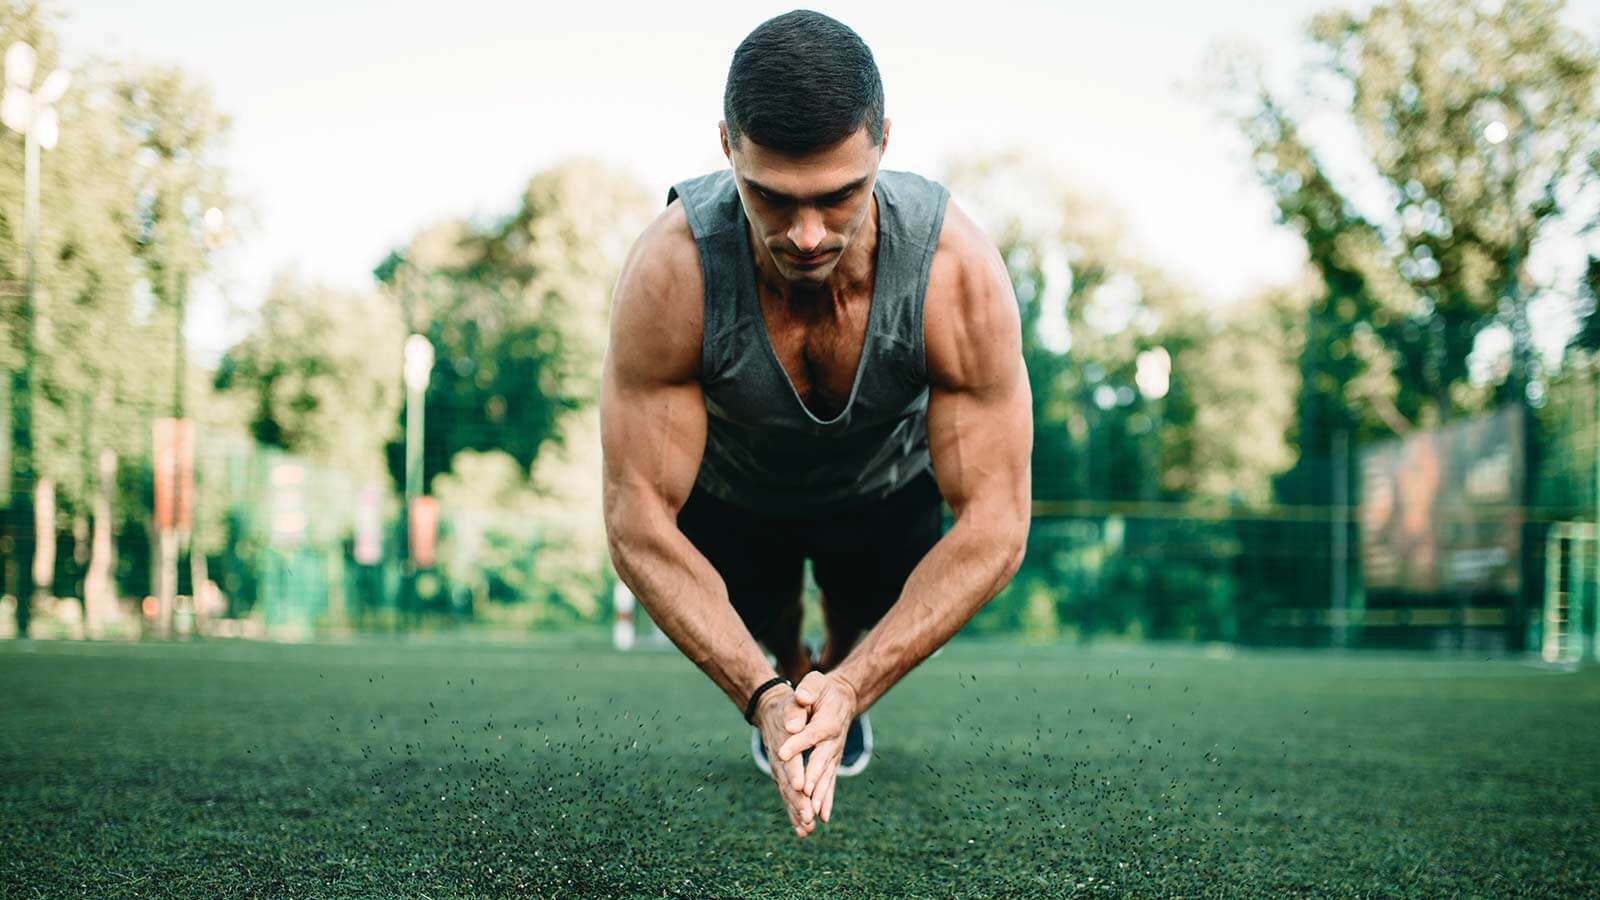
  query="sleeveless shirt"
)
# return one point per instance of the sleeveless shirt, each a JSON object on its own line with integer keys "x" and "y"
{"x": 765, "y": 451}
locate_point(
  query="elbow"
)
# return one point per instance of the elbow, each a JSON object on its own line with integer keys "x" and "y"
{"x": 627, "y": 543}
{"x": 999, "y": 534}
{"x": 633, "y": 535}
{"x": 1010, "y": 534}
{"x": 1004, "y": 540}
{"x": 1014, "y": 547}
{"x": 616, "y": 544}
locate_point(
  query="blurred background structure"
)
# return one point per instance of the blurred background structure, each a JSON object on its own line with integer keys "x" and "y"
{"x": 1386, "y": 436}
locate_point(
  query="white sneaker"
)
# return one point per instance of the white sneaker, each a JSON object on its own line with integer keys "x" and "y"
{"x": 857, "y": 746}
{"x": 759, "y": 754}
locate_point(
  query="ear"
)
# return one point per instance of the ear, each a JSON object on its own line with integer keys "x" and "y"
{"x": 727, "y": 149}
{"x": 884, "y": 147}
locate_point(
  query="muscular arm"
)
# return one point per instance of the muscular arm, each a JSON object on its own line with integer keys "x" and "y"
{"x": 980, "y": 436}
{"x": 653, "y": 432}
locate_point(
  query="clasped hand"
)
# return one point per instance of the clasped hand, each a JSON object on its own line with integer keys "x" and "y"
{"x": 814, "y": 716}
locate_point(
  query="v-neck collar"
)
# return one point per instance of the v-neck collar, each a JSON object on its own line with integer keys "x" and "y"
{"x": 874, "y": 302}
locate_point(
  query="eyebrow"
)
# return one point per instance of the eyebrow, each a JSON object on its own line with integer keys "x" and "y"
{"x": 777, "y": 194}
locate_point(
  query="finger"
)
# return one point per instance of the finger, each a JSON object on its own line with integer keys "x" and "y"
{"x": 794, "y": 769}
{"x": 779, "y": 779}
{"x": 823, "y": 726}
{"x": 795, "y": 719}
{"x": 827, "y": 801}
{"x": 805, "y": 821}
{"x": 828, "y": 783}
{"x": 794, "y": 816}
{"x": 799, "y": 807}
{"x": 821, "y": 756}
{"x": 824, "y": 786}
{"x": 802, "y": 824}
{"x": 810, "y": 687}
{"x": 805, "y": 810}
{"x": 801, "y": 811}
{"x": 791, "y": 808}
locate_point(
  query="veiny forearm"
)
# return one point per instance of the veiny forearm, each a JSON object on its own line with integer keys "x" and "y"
{"x": 687, "y": 599}
{"x": 963, "y": 571}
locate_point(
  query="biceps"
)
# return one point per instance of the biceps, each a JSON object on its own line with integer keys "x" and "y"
{"x": 981, "y": 441}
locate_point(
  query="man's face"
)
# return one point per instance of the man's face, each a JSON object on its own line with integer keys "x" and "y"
{"x": 807, "y": 209}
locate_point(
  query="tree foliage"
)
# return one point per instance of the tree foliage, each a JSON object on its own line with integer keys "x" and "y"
{"x": 1091, "y": 306}
{"x": 517, "y": 312}
{"x": 321, "y": 371}
{"x": 1476, "y": 123}
{"x": 1091, "y": 303}
{"x": 121, "y": 201}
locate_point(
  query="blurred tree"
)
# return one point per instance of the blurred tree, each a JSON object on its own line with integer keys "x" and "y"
{"x": 1065, "y": 252}
{"x": 30, "y": 23}
{"x": 1090, "y": 307}
{"x": 511, "y": 542}
{"x": 319, "y": 370}
{"x": 517, "y": 315}
{"x": 1237, "y": 378}
{"x": 490, "y": 548}
{"x": 1475, "y": 124}
{"x": 99, "y": 371}
{"x": 1588, "y": 334}
{"x": 92, "y": 388}
{"x": 178, "y": 179}
{"x": 516, "y": 311}
{"x": 1476, "y": 121}
{"x": 568, "y": 511}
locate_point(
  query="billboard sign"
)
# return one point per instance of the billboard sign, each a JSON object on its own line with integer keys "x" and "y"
{"x": 1441, "y": 509}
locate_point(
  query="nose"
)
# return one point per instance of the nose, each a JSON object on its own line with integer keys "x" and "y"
{"x": 807, "y": 231}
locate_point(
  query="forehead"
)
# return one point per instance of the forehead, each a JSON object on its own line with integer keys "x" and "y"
{"x": 811, "y": 174}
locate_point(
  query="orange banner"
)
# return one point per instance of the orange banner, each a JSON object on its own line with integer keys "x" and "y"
{"x": 424, "y": 531}
{"x": 174, "y": 471}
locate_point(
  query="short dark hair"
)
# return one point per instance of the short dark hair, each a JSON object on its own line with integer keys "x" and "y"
{"x": 801, "y": 82}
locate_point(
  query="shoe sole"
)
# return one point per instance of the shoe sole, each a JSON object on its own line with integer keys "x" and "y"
{"x": 860, "y": 764}
{"x": 757, "y": 752}
{"x": 759, "y": 755}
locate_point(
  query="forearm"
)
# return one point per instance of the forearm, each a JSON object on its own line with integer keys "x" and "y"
{"x": 687, "y": 599}
{"x": 963, "y": 571}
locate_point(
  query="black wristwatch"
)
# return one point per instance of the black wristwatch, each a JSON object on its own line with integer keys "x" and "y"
{"x": 750, "y": 708}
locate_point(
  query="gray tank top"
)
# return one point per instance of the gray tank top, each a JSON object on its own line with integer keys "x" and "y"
{"x": 765, "y": 451}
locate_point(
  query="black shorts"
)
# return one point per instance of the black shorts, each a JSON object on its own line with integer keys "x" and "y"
{"x": 860, "y": 557}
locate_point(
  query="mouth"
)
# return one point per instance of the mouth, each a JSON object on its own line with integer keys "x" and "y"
{"x": 808, "y": 262}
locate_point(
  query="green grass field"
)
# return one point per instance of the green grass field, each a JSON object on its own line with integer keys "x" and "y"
{"x": 448, "y": 769}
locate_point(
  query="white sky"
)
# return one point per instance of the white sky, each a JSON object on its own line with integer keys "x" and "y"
{"x": 358, "y": 122}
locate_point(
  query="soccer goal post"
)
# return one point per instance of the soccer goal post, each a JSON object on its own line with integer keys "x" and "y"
{"x": 1571, "y": 593}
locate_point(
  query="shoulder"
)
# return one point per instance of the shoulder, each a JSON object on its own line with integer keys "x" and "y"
{"x": 657, "y": 309}
{"x": 901, "y": 181}
{"x": 971, "y": 324}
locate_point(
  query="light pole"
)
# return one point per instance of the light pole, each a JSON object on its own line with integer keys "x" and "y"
{"x": 32, "y": 113}
{"x": 1496, "y": 132}
{"x": 418, "y": 365}
{"x": 1153, "y": 376}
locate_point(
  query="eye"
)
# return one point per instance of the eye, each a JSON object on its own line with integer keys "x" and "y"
{"x": 836, "y": 199}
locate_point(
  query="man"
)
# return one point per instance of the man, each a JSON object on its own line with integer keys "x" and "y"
{"x": 806, "y": 353}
